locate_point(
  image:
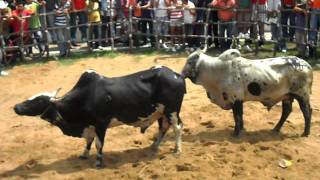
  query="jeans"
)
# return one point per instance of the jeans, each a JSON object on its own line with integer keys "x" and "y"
{"x": 50, "y": 24}
{"x": 62, "y": 39}
{"x": 161, "y": 27}
{"x": 277, "y": 36}
{"x": 300, "y": 34}
{"x": 144, "y": 29}
{"x": 94, "y": 34}
{"x": 105, "y": 28}
{"x": 225, "y": 27}
{"x": 314, "y": 25}
{"x": 189, "y": 31}
{"x": 37, "y": 35}
{"x": 288, "y": 32}
{"x": 83, "y": 20}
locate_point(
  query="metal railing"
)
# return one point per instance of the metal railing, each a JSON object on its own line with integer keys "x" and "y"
{"x": 130, "y": 23}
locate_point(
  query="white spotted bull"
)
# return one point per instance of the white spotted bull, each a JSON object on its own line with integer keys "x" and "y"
{"x": 230, "y": 80}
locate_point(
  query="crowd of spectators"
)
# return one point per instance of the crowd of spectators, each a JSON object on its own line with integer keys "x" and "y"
{"x": 174, "y": 24}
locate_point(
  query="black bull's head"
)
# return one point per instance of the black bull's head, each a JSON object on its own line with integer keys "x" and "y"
{"x": 45, "y": 106}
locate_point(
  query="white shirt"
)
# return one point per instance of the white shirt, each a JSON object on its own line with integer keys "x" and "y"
{"x": 161, "y": 12}
{"x": 188, "y": 17}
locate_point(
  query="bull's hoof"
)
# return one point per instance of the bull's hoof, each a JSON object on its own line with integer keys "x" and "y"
{"x": 304, "y": 134}
{"x": 236, "y": 134}
{"x": 99, "y": 165}
{"x": 275, "y": 132}
{"x": 177, "y": 150}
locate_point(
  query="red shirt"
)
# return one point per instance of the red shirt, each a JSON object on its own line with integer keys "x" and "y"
{"x": 289, "y": 3}
{"x": 315, "y": 4}
{"x": 259, "y": 2}
{"x": 79, "y": 4}
{"x": 16, "y": 23}
{"x": 224, "y": 15}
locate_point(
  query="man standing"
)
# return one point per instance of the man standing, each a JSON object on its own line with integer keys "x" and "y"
{"x": 225, "y": 15}
{"x": 288, "y": 14}
{"x": 79, "y": 11}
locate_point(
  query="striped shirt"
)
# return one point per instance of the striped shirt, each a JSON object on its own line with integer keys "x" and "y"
{"x": 61, "y": 17}
{"x": 176, "y": 13}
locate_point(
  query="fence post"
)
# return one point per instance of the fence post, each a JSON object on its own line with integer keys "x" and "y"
{"x": 206, "y": 29}
{"x": 21, "y": 33}
{"x": 130, "y": 28}
{"x": 111, "y": 23}
{"x": 45, "y": 29}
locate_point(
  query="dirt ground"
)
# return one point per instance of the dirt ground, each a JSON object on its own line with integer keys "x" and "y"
{"x": 31, "y": 148}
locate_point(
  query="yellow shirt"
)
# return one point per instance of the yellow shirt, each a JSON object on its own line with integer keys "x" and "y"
{"x": 94, "y": 13}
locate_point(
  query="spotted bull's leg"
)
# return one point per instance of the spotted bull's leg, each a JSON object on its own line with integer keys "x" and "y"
{"x": 89, "y": 134}
{"x": 237, "y": 110}
{"x": 307, "y": 111}
{"x": 177, "y": 128}
{"x": 99, "y": 145}
{"x": 286, "y": 110}
{"x": 164, "y": 125}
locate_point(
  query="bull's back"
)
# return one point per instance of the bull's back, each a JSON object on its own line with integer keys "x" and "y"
{"x": 284, "y": 75}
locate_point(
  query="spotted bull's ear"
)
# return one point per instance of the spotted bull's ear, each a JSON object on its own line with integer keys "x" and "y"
{"x": 229, "y": 54}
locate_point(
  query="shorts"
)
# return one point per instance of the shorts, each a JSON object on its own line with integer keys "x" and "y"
{"x": 176, "y": 22}
{"x": 259, "y": 12}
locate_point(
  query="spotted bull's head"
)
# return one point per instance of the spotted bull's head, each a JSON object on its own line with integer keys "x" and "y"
{"x": 191, "y": 69}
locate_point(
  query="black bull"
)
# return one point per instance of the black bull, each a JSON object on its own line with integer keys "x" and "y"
{"x": 97, "y": 102}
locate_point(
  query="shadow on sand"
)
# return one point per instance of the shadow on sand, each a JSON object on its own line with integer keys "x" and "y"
{"x": 112, "y": 160}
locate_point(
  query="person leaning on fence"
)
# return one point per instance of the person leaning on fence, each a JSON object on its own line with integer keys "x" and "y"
{"x": 79, "y": 10}
{"x": 300, "y": 33}
{"x": 19, "y": 24}
{"x": 314, "y": 22}
{"x": 288, "y": 29}
{"x": 5, "y": 13}
{"x": 259, "y": 16}
{"x": 95, "y": 23}
{"x": 225, "y": 14}
{"x": 144, "y": 6}
{"x": 189, "y": 16}
{"x": 50, "y": 16}
{"x": 243, "y": 22}
{"x": 161, "y": 19}
{"x": 34, "y": 24}
{"x": 176, "y": 20}
{"x": 106, "y": 14}
{"x": 62, "y": 10}
{"x": 273, "y": 12}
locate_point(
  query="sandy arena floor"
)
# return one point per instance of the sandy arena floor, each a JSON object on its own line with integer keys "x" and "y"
{"x": 31, "y": 148}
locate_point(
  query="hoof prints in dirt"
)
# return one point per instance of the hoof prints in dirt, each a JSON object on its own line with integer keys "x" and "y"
{"x": 187, "y": 167}
{"x": 208, "y": 124}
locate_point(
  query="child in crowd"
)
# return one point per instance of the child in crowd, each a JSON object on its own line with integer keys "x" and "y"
{"x": 34, "y": 23}
{"x": 62, "y": 32}
{"x": 273, "y": 11}
{"x": 189, "y": 15}
{"x": 95, "y": 23}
